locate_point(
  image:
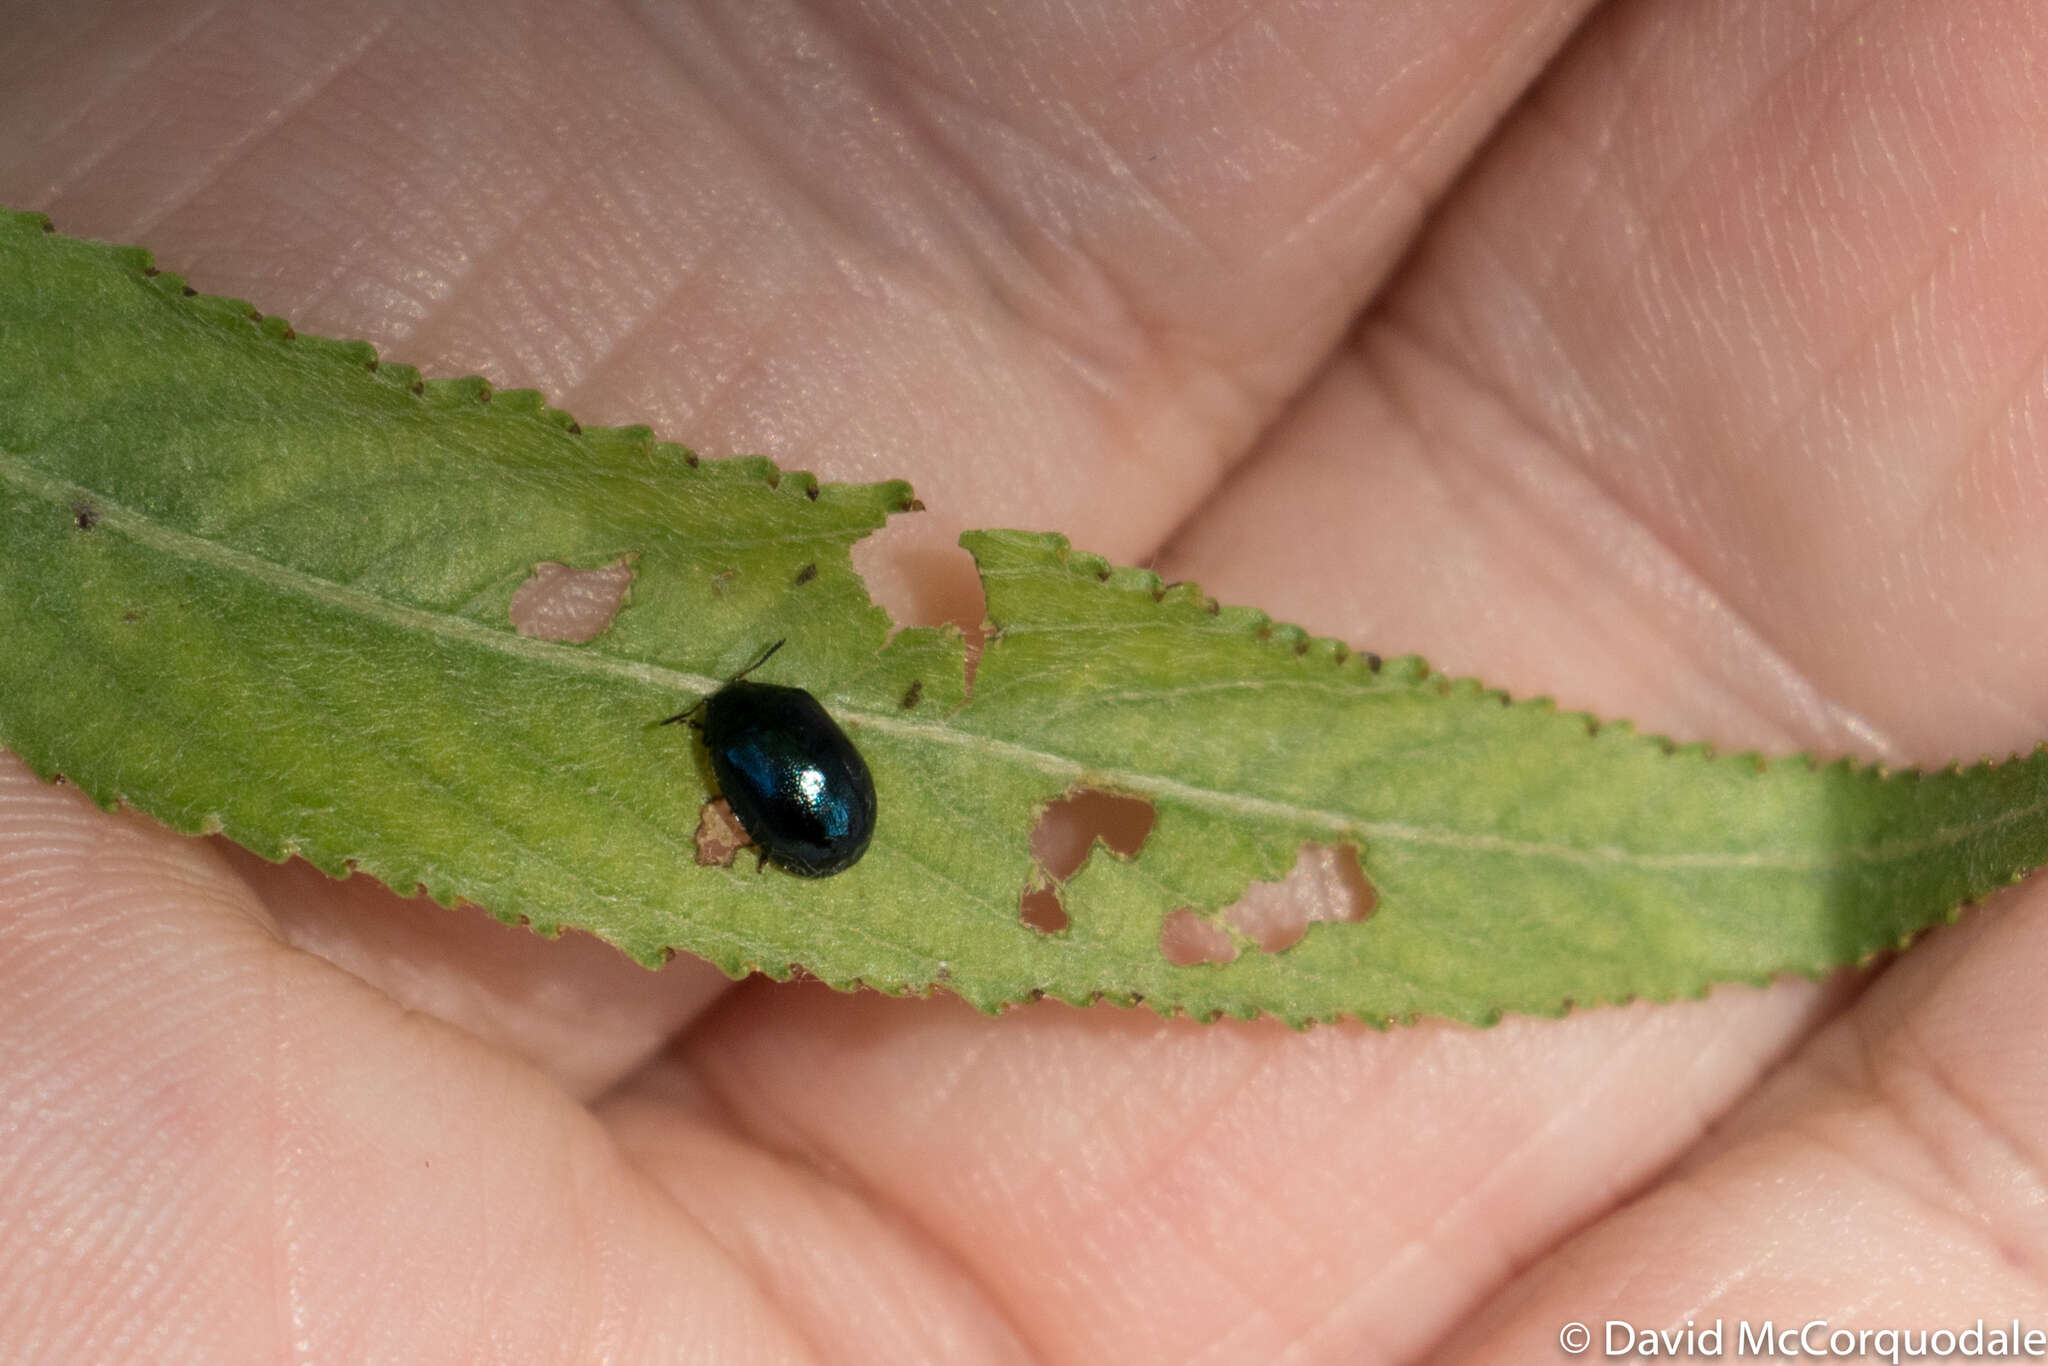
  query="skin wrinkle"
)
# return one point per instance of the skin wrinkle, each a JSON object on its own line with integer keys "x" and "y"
{"x": 790, "y": 1147}
{"x": 1876, "y": 342}
{"x": 79, "y": 169}
{"x": 613, "y": 351}
{"x": 1903, "y": 1050}
{"x": 1715, "y": 139}
{"x": 771, "y": 144}
{"x": 279, "y": 114}
{"x": 402, "y": 316}
{"x": 288, "y": 1327}
{"x": 394, "y": 318}
{"x": 1169, "y": 356}
{"x": 2017, "y": 1250}
{"x": 1119, "y": 82}
{"x": 1301, "y": 1326}
{"x": 1838, "y": 1156}
{"x": 795, "y": 1325}
{"x": 1999, "y": 412}
{"x": 1660, "y": 191}
{"x": 475, "y": 269}
{"x": 1793, "y": 678}
{"x": 1459, "y": 1212}
{"x": 1111, "y": 334}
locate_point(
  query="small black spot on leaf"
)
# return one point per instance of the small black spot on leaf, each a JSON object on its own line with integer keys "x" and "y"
{"x": 913, "y": 694}
{"x": 806, "y": 574}
{"x": 85, "y": 516}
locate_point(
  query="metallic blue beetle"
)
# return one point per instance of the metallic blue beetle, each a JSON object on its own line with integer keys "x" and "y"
{"x": 794, "y": 781}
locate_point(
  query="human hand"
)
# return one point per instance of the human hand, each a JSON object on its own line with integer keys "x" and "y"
{"x": 1685, "y": 367}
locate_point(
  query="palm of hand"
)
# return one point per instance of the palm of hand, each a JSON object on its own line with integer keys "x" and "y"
{"x": 1707, "y": 394}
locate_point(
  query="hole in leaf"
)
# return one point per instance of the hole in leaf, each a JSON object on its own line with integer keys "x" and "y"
{"x": 920, "y": 582}
{"x": 1040, "y": 908}
{"x": 560, "y": 603}
{"x": 1186, "y": 939}
{"x": 1327, "y": 884}
{"x": 719, "y": 835}
{"x": 1069, "y": 827}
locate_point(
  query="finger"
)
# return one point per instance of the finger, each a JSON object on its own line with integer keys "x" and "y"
{"x": 217, "y": 1148}
{"x": 574, "y": 1007}
{"x": 1905, "y": 1137}
{"x": 576, "y": 1010}
{"x": 1791, "y": 330}
{"x": 1564, "y": 458}
{"x": 1116, "y": 1185}
{"x": 1057, "y": 265}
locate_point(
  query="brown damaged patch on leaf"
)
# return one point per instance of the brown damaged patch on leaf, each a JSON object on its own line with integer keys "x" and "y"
{"x": 574, "y": 605}
{"x": 1186, "y": 939}
{"x": 720, "y": 837}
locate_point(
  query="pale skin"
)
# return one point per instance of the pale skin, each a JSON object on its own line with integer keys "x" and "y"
{"x": 1681, "y": 361}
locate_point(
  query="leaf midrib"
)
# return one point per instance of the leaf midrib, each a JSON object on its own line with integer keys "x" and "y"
{"x": 19, "y": 473}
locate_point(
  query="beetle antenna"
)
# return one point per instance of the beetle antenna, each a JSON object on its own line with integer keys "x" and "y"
{"x": 689, "y": 713}
{"x": 765, "y": 656}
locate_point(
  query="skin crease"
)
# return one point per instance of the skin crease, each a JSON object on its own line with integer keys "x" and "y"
{"x": 1680, "y": 361}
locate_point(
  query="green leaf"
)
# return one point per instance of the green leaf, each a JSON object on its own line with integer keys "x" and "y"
{"x": 258, "y": 583}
